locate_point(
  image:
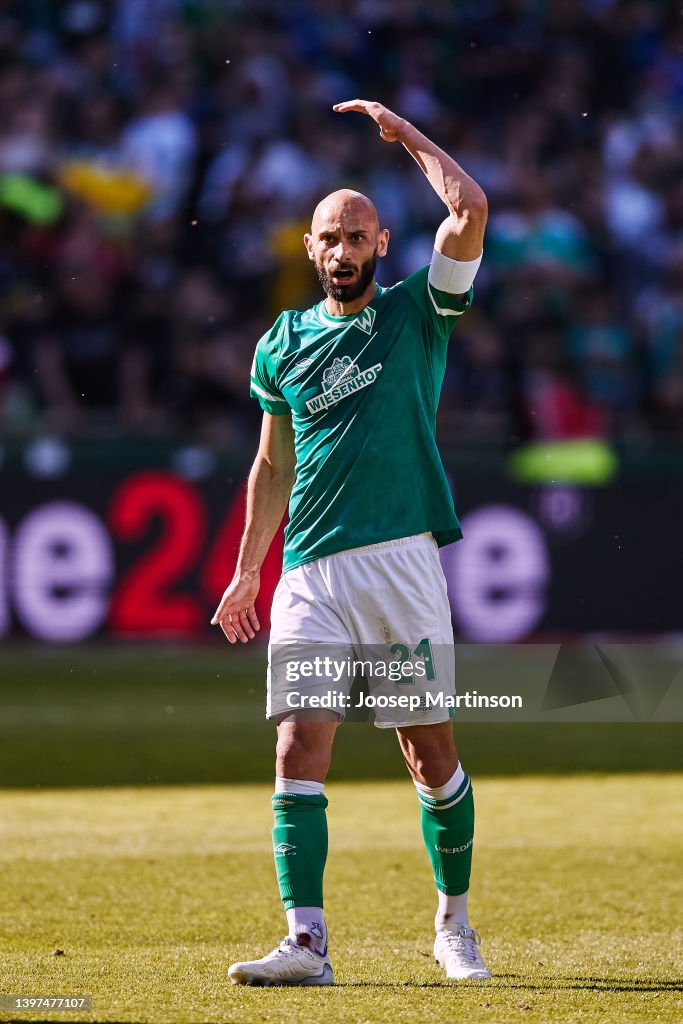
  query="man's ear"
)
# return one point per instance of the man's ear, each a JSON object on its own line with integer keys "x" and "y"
{"x": 383, "y": 242}
{"x": 308, "y": 242}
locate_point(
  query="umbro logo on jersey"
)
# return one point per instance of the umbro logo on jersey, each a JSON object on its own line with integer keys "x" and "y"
{"x": 366, "y": 319}
{"x": 284, "y": 849}
{"x": 341, "y": 379}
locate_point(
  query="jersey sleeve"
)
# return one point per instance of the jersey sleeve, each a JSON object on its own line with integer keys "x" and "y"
{"x": 440, "y": 309}
{"x": 263, "y": 386}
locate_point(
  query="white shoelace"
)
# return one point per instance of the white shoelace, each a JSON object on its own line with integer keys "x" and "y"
{"x": 286, "y": 947}
{"x": 465, "y": 945}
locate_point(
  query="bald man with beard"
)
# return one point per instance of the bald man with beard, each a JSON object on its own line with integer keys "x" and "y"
{"x": 349, "y": 391}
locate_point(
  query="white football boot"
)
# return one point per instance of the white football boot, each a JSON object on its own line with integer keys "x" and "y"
{"x": 456, "y": 950}
{"x": 288, "y": 964}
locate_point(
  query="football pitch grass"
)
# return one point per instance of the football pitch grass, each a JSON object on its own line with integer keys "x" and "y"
{"x": 152, "y": 892}
{"x": 134, "y": 836}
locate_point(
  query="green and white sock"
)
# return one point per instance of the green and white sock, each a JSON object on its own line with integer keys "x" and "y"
{"x": 300, "y": 848}
{"x": 448, "y": 831}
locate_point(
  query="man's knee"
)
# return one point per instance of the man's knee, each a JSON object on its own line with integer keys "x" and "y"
{"x": 433, "y": 767}
{"x": 429, "y": 753}
{"x": 304, "y": 749}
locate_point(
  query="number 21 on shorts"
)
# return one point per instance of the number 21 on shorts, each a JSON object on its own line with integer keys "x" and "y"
{"x": 423, "y": 651}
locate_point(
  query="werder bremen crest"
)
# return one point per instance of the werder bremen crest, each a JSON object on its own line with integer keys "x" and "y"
{"x": 366, "y": 319}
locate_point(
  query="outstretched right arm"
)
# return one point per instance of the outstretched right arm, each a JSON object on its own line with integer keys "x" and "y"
{"x": 270, "y": 484}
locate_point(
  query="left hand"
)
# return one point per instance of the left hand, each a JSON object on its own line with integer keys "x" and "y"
{"x": 390, "y": 124}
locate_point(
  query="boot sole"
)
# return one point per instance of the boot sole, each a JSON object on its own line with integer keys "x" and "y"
{"x": 244, "y": 978}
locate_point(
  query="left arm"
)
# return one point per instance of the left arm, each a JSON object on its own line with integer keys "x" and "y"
{"x": 460, "y": 236}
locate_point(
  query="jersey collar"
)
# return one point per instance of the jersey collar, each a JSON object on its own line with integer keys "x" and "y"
{"x": 337, "y": 321}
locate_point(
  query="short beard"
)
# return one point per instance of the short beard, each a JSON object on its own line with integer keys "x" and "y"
{"x": 348, "y": 292}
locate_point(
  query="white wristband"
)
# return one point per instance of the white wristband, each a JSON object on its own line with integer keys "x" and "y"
{"x": 452, "y": 276}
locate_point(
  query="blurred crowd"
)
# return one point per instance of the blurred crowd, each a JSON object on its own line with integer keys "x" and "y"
{"x": 160, "y": 160}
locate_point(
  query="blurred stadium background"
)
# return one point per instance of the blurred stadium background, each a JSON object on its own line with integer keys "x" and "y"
{"x": 159, "y": 162}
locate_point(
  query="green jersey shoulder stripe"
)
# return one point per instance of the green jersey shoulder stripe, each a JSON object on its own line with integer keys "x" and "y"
{"x": 441, "y": 310}
{"x": 262, "y": 393}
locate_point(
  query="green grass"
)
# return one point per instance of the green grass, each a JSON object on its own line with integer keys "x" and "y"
{"x": 151, "y": 715}
{"x": 152, "y": 888}
{"x": 152, "y": 891}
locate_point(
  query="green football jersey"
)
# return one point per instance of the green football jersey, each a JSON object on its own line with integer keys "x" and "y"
{"x": 362, "y": 390}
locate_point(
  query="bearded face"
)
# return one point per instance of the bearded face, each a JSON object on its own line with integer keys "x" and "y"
{"x": 346, "y": 281}
{"x": 345, "y": 243}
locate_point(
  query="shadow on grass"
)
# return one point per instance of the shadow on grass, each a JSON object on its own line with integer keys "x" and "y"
{"x": 501, "y": 982}
{"x": 593, "y": 982}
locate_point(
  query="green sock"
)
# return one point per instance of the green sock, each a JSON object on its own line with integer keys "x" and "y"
{"x": 448, "y": 831}
{"x": 300, "y": 848}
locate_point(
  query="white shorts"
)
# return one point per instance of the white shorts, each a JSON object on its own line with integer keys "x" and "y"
{"x": 385, "y": 605}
